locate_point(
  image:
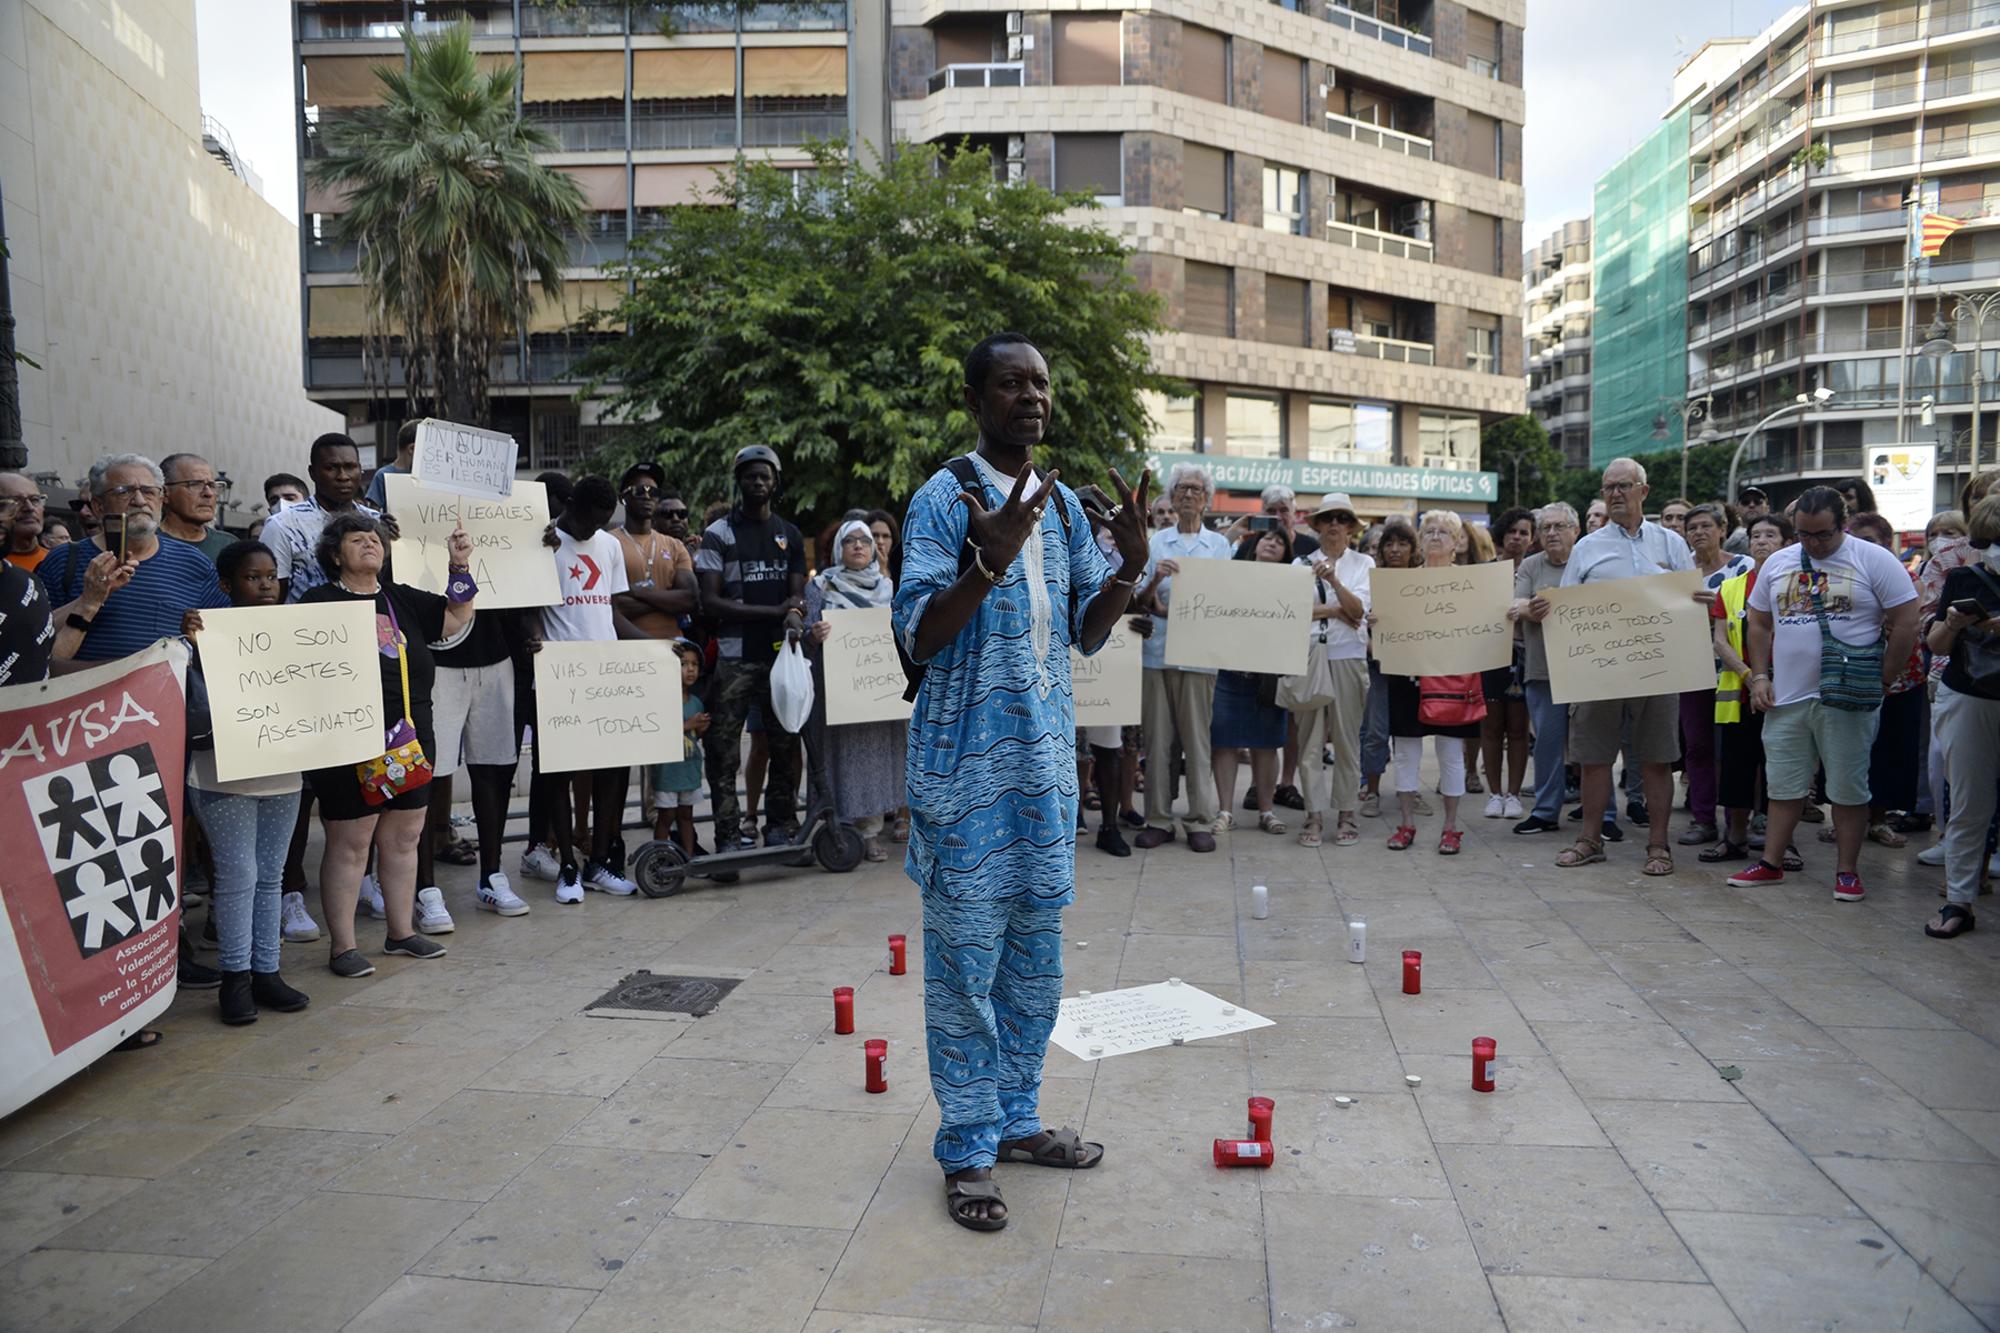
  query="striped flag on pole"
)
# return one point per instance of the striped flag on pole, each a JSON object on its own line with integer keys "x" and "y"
{"x": 1937, "y": 229}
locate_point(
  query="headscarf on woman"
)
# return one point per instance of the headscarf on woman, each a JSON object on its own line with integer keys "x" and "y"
{"x": 852, "y": 589}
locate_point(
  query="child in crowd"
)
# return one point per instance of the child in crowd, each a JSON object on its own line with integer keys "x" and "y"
{"x": 676, "y": 785}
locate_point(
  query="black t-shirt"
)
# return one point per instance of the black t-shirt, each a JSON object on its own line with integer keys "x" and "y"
{"x": 27, "y": 636}
{"x": 1963, "y": 584}
{"x": 756, "y": 559}
{"x": 420, "y": 615}
{"x": 486, "y": 643}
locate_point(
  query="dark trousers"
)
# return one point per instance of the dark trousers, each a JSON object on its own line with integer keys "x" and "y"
{"x": 1740, "y": 746}
{"x": 736, "y": 687}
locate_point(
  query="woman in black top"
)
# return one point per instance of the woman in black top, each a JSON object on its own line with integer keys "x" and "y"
{"x": 1966, "y": 716}
{"x": 354, "y": 552}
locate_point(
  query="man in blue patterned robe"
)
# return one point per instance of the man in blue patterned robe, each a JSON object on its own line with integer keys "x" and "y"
{"x": 995, "y": 590}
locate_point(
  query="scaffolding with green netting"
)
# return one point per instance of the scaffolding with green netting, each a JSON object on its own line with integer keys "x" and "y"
{"x": 1640, "y": 292}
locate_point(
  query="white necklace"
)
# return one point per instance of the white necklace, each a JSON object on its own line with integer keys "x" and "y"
{"x": 359, "y": 592}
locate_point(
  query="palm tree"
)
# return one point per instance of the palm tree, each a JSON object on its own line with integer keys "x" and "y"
{"x": 456, "y": 224}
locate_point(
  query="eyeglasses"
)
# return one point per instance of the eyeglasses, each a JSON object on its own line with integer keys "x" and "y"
{"x": 673, "y": 513}
{"x": 1190, "y": 488}
{"x": 1828, "y": 535}
{"x": 10, "y": 501}
{"x": 143, "y": 492}
{"x": 642, "y": 492}
{"x": 1618, "y": 487}
{"x": 204, "y": 485}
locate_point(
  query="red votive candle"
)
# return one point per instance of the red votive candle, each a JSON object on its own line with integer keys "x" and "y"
{"x": 1242, "y": 1152}
{"x": 896, "y": 962}
{"x": 876, "y": 1052}
{"x": 1413, "y": 972}
{"x": 843, "y": 1009}
{"x": 1482, "y": 1063}
{"x": 1260, "y": 1117}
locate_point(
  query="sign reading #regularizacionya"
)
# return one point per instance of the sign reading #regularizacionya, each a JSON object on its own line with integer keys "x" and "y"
{"x": 1308, "y": 478}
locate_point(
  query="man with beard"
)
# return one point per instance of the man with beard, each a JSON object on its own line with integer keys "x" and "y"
{"x": 334, "y": 464}
{"x": 27, "y": 511}
{"x": 116, "y": 593}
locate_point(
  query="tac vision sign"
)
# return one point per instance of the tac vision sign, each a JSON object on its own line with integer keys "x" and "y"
{"x": 1307, "y": 477}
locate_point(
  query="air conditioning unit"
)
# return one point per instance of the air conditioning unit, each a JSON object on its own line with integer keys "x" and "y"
{"x": 1013, "y": 22}
{"x": 1013, "y": 48}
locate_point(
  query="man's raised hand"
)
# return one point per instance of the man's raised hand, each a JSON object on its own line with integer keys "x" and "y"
{"x": 999, "y": 534}
{"x": 1128, "y": 524}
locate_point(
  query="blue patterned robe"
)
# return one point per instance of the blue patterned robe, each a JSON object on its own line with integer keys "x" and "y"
{"x": 992, "y": 761}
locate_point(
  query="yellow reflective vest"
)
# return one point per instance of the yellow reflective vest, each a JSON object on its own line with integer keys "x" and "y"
{"x": 1730, "y": 685}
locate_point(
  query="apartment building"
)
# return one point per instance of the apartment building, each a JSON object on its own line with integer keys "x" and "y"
{"x": 1801, "y": 158}
{"x": 1326, "y": 196}
{"x": 1556, "y": 286}
{"x": 646, "y": 101}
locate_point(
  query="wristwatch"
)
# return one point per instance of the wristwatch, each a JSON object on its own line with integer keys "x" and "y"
{"x": 77, "y": 622}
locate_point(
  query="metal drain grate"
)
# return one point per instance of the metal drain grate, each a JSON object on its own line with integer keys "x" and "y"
{"x": 644, "y": 995}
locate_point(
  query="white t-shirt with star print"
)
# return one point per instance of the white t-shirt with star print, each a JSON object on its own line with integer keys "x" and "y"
{"x": 589, "y": 573}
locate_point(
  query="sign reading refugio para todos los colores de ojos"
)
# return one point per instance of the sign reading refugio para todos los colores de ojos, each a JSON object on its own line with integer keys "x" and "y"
{"x": 1308, "y": 477}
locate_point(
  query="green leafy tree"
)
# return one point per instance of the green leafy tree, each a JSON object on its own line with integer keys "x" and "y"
{"x": 1708, "y": 476}
{"x": 456, "y": 224}
{"x": 828, "y": 317}
{"x": 1519, "y": 449}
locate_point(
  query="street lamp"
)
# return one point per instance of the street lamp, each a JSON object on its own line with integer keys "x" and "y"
{"x": 1938, "y": 345}
{"x": 1817, "y": 398}
{"x": 1699, "y": 409}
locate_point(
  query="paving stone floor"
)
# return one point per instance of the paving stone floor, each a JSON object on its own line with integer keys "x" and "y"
{"x": 449, "y": 1145}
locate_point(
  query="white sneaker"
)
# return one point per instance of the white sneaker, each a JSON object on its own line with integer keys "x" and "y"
{"x": 606, "y": 880}
{"x": 569, "y": 887}
{"x": 540, "y": 863}
{"x": 1932, "y": 855}
{"x": 432, "y": 918}
{"x": 1423, "y": 806}
{"x": 1496, "y": 806}
{"x": 1512, "y": 809}
{"x": 297, "y": 926}
{"x": 497, "y": 895}
{"x": 370, "y": 903}
{"x": 1993, "y": 864}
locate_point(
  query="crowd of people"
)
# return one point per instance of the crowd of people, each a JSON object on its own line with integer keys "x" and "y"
{"x": 1843, "y": 680}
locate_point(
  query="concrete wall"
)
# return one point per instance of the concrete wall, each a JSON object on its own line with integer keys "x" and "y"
{"x": 157, "y": 291}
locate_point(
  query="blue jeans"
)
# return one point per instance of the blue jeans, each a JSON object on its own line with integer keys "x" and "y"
{"x": 1551, "y": 722}
{"x": 250, "y": 836}
{"x": 1375, "y": 726}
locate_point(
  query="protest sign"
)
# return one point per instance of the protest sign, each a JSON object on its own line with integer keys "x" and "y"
{"x": 864, "y": 676}
{"x": 1106, "y": 684}
{"x": 1243, "y": 615}
{"x": 1628, "y": 638}
{"x": 607, "y": 705}
{"x": 90, "y": 812}
{"x": 1139, "y": 1018}
{"x": 292, "y": 687}
{"x": 464, "y": 459}
{"x": 509, "y": 562}
{"x": 1442, "y": 622}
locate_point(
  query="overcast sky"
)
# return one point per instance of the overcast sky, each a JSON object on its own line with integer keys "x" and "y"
{"x": 1598, "y": 73}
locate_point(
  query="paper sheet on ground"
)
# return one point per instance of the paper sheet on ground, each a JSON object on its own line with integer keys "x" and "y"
{"x": 1139, "y": 1018}
{"x": 1442, "y": 622}
{"x": 1628, "y": 638}
{"x": 1241, "y": 615}
{"x": 292, "y": 687}
{"x": 864, "y": 676}
{"x": 607, "y": 705}
{"x": 509, "y": 562}
{"x": 1107, "y": 684}
{"x": 464, "y": 459}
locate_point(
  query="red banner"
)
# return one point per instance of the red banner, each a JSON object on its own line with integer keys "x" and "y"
{"x": 92, "y": 771}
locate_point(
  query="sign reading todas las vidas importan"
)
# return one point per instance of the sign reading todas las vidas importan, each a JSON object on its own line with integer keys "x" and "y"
{"x": 1310, "y": 478}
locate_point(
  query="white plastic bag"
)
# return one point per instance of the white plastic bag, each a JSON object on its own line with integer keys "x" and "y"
{"x": 792, "y": 688}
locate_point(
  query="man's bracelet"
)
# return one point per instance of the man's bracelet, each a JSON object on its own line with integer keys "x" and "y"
{"x": 979, "y": 563}
{"x": 1132, "y": 582}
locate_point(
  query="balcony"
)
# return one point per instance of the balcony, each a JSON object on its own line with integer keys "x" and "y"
{"x": 354, "y": 22}
{"x": 585, "y": 134}
{"x": 1882, "y": 279}
{"x": 1373, "y": 136}
{"x": 708, "y": 122}
{"x": 583, "y": 20}
{"x": 330, "y": 256}
{"x": 1867, "y": 39}
{"x": 1867, "y": 99}
{"x": 797, "y": 16}
{"x": 1966, "y": 20}
{"x": 1401, "y": 350}
{"x": 786, "y": 121}
{"x": 1005, "y": 74}
{"x": 1361, "y": 24}
{"x": 1379, "y": 242}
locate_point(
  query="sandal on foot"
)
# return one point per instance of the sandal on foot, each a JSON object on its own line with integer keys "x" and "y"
{"x": 1400, "y": 840}
{"x": 1059, "y": 1147}
{"x": 1309, "y": 836}
{"x": 1953, "y": 920}
{"x": 1584, "y": 853}
{"x": 1448, "y": 841}
{"x": 1270, "y": 823}
{"x": 1885, "y": 836}
{"x": 1827, "y": 834}
{"x": 1791, "y": 859}
{"x": 1659, "y": 861}
{"x": 1724, "y": 851}
{"x": 958, "y": 1194}
{"x": 1347, "y": 834}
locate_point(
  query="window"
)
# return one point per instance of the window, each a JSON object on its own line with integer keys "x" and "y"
{"x": 1176, "y": 422}
{"x": 1284, "y": 86}
{"x": 1482, "y": 244}
{"x": 1482, "y": 143}
{"x": 1287, "y": 316}
{"x": 1204, "y": 180}
{"x": 1087, "y": 49}
{"x": 1210, "y": 302}
{"x": 1091, "y": 163}
{"x": 1482, "y": 343}
{"x": 1284, "y": 200}
{"x": 1448, "y": 440}
{"x": 1349, "y": 432}
{"x": 1482, "y": 45}
{"x": 1256, "y": 426}
{"x": 1205, "y": 63}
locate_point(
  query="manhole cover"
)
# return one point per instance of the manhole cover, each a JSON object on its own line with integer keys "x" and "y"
{"x": 644, "y": 995}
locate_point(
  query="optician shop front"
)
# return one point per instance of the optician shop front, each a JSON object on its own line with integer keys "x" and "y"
{"x": 1378, "y": 491}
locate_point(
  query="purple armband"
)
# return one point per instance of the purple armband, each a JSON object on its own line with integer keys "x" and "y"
{"x": 460, "y": 587}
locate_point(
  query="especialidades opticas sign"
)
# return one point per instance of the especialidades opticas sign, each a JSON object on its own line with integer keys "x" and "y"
{"x": 1306, "y": 477}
